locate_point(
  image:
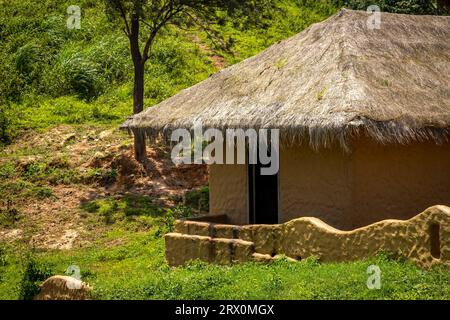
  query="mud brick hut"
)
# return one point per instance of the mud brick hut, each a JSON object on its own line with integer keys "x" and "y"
{"x": 364, "y": 119}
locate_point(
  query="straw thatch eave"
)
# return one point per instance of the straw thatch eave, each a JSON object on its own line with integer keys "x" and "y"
{"x": 336, "y": 80}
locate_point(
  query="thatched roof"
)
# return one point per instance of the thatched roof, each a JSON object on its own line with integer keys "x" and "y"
{"x": 335, "y": 80}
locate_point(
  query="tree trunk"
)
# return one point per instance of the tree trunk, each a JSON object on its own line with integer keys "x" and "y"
{"x": 138, "y": 94}
{"x": 138, "y": 106}
{"x": 138, "y": 101}
{"x": 139, "y": 147}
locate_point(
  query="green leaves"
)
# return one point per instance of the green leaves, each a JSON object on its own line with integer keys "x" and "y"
{"x": 398, "y": 6}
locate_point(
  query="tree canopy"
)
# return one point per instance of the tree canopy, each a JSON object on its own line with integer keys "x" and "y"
{"x": 430, "y": 7}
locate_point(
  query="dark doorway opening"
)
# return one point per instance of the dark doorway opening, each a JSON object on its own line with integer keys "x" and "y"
{"x": 435, "y": 241}
{"x": 263, "y": 196}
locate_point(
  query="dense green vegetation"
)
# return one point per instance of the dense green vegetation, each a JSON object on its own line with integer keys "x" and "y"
{"x": 52, "y": 75}
{"x": 399, "y": 6}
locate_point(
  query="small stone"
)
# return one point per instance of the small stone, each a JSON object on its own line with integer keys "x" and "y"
{"x": 63, "y": 288}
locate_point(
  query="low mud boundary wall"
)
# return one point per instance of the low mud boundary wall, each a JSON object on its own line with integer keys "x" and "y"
{"x": 424, "y": 239}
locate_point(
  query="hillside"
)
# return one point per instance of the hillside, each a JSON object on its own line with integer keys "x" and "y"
{"x": 55, "y": 75}
{"x": 71, "y": 192}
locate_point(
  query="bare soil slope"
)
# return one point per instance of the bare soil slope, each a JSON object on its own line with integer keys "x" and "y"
{"x": 75, "y": 165}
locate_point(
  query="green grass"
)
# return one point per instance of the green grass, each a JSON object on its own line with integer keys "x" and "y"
{"x": 35, "y": 178}
{"x": 14, "y": 190}
{"x": 136, "y": 269}
{"x": 146, "y": 211}
{"x": 198, "y": 199}
{"x": 124, "y": 259}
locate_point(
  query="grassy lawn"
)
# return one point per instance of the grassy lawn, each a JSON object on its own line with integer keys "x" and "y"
{"x": 124, "y": 259}
{"x": 135, "y": 268}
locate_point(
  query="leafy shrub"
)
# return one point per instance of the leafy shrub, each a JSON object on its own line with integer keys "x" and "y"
{"x": 168, "y": 220}
{"x": 169, "y": 56}
{"x": 11, "y": 85}
{"x": 198, "y": 199}
{"x": 35, "y": 170}
{"x": 90, "y": 207}
{"x": 6, "y": 125}
{"x": 3, "y": 257}
{"x": 9, "y": 216}
{"x": 35, "y": 273}
{"x": 182, "y": 212}
{"x": 26, "y": 60}
{"x": 83, "y": 76}
{"x": 397, "y": 6}
{"x": 111, "y": 54}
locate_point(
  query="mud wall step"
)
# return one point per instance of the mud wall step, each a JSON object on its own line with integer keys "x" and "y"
{"x": 181, "y": 248}
{"x": 424, "y": 239}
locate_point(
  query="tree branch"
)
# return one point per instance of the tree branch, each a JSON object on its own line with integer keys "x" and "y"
{"x": 170, "y": 13}
{"x": 205, "y": 28}
{"x": 124, "y": 17}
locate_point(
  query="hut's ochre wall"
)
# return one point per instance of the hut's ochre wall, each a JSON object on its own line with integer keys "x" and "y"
{"x": 315, "y": 184}
{"x": 228, "y": 191}
{"x": 371, "y": 183}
